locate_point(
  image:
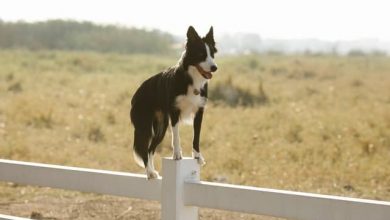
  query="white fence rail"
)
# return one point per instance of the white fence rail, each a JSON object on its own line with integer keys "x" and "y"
{"x": 8, "y": 217}
{"x": 181, "y": 193}
{"x": 280, "y": 203}
{"x": 80, "y": 179}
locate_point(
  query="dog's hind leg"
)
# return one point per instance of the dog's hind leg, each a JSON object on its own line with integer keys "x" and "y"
{"x": 151, "y": 172}
{"x": 141, "y": 142}
{"x": 141, "y": 151}
{"x": 160, "y": 125}
{"x": 143, "y": 135}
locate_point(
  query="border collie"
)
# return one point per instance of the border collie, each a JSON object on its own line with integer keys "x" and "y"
{"x": 178, "y": 94}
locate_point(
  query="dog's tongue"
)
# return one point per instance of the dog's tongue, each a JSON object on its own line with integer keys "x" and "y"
{"x": 205, "y": 74}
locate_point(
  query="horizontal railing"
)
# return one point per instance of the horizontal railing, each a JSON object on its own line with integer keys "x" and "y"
{"x": 81, "y": 179}
{"x": 281, "y": 203}
{"x": 181, "y": 192}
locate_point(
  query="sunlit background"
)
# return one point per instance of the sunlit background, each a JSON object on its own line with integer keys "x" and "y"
{"x": 278, "y": 25}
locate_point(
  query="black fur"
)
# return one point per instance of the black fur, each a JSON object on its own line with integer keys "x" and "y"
{"x": 153, "y": 104}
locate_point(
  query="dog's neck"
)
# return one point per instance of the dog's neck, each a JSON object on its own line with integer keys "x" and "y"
{"x": 198, "y": 81}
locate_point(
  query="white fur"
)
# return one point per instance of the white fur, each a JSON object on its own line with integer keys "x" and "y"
{"x": 150, "y": 170}
{"x": 138, "y": 159}
{"x": 190, "y": 102}
{"x": 198, "y": 80}
{"x": 209, "y": 62}
{"x": 199, "y": 157}
{"x": 177, "y": 153}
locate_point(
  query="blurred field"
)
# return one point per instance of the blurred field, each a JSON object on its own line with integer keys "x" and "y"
{"x": 309, "y": 123}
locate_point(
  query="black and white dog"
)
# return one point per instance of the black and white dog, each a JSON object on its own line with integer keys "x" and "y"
{"x": 178, "y": 94}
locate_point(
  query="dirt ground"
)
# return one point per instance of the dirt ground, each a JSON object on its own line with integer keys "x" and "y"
{"x": 90, "y": 206}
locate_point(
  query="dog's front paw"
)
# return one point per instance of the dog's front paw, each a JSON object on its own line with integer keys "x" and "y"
{"x": 199, "y": 158}
{"x": 152, "y": 174}
{"x": 177, "y": 155}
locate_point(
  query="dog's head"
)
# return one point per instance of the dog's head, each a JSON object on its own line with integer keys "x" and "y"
{"x": 200, "y": 52}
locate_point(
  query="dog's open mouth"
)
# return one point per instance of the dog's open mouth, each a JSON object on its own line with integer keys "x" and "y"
{"x": 206, "y": 75}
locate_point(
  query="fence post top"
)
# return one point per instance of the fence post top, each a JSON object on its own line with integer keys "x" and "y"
{"x": 184, "y": 158}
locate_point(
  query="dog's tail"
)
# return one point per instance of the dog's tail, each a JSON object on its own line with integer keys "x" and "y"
{"x": 142, "y": 122}
{"x": 142, "y": 139}
{"x": 138, "y": 159}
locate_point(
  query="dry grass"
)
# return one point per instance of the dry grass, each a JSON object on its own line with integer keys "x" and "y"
{"x": 314, "y": 124}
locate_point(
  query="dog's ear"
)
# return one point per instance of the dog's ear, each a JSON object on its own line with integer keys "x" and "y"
{"x": 210, "y": 36}
{"x": 191, "y": 34}
{"x": 210, "y": 39}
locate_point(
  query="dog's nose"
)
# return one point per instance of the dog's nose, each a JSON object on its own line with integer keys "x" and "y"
{"x": 213, "y": 68}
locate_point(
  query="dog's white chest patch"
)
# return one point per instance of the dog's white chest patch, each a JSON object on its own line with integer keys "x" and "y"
{"x": 189, "y": 104}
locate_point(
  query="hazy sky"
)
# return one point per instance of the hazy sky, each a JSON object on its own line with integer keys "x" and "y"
{"x": 327, "y": 19}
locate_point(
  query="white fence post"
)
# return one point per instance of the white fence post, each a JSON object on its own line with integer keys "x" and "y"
{"x": 174, "y": 173}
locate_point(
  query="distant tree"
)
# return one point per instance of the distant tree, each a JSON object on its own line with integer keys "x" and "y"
{"x": 356, "y": 53}
{"x": 378, "y": 53}
{"x": 275, "y": 53}
{"x": 73, "y": 35}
